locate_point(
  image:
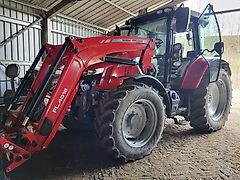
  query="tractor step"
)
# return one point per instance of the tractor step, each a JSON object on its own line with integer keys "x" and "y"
{"x": 181, "y": 121}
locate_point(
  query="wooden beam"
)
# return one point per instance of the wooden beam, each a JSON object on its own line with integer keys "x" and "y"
{"x": 121, "y": 8}
{"x": 46, "y": 30}
{"x": 56, "y": 9}
{"x": 228, "y": 11}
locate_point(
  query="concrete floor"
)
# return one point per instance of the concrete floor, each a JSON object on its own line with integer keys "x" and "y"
{"x": 181, "y": 154}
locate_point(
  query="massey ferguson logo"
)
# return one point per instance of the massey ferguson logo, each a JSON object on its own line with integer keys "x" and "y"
{"x": 60, "y": 100}
{"x": 141, "y": 41}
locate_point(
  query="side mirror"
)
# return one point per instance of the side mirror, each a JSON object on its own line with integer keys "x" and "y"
{"x": 182, "y": 15}
{"x": 219, "y": 47}
{"x": 12, "y": 70}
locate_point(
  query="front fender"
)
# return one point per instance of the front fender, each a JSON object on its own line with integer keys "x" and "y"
{"x": 156, "y": 84}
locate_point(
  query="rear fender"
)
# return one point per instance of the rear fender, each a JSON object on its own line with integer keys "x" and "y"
{"x": 226, "y": 67}
{"x": 194, "y": 74}
{"x": 156, "y": 84}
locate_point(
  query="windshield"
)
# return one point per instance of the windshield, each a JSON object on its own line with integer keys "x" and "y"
{"x": 156, "y": 29}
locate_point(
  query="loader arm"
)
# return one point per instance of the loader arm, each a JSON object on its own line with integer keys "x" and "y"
{"x": 36, "y": 122}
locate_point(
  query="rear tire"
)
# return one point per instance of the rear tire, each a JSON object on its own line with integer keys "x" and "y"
{"x": 130, "y": 121}
{"x": 210, "y": 103}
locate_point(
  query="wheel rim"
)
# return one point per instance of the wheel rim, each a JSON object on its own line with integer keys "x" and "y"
{"x": 217, "y": 99}
{"x": 139, "y": 123}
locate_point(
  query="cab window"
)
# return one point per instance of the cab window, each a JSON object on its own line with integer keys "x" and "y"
{"x": 186, "y": 40}
{"x": 156, "y": 29}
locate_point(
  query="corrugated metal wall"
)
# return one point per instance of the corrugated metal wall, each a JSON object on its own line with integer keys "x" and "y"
{"x": 24, "y": 48}
{"x": 62, "y": 27}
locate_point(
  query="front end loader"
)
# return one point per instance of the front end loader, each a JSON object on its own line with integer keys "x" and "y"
{"x": 128, "y": 84}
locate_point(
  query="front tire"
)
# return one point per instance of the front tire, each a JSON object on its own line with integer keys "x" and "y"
{"x": 131, "y": 121}
{"x": 210, "y": 103}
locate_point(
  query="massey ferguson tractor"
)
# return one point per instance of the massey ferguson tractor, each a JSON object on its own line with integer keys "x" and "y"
{"x": 160, "y": 65}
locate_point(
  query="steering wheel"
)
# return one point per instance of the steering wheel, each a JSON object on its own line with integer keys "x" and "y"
{"x": 159, "y": 42}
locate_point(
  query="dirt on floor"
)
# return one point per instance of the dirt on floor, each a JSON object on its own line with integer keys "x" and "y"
{"x": 181, "y": 154}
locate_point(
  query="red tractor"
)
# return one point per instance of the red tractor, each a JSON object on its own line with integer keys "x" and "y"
{"x": 159, "y": 65}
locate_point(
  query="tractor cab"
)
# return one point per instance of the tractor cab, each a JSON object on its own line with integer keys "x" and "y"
{"x": 181, "y": 36}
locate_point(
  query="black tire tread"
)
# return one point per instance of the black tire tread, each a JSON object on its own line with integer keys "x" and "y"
{"x": 198, "y": 117}
{"x": 105, "y": 118}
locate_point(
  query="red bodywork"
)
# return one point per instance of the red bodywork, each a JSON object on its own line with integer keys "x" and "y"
{"x": 80, "y": 56}
{"x": 194, "y": 74}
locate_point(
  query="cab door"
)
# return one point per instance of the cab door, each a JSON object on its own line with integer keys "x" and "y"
{"x": 210, "y": 42}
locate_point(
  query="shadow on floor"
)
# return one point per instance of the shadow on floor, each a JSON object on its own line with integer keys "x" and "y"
{"x": 69, "y": 153}
{"x": 80, "y": 153}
